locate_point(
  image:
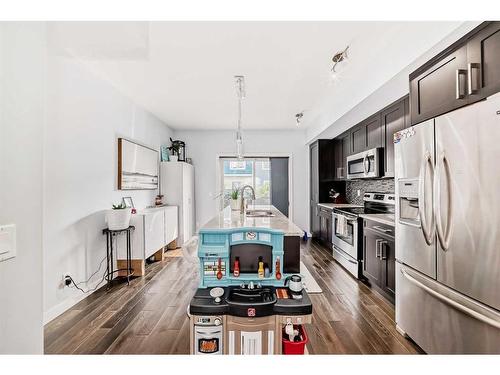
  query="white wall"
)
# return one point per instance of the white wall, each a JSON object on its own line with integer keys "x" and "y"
{"x": 204, "y": 146}
{"x": 86, "y": 115}
{"x": 22, "y": 73}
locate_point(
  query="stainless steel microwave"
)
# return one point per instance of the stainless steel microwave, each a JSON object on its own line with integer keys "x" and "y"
{"x": 366, "y": 164}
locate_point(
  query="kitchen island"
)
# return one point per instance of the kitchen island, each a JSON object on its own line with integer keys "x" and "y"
{"x": 243, "y": 304}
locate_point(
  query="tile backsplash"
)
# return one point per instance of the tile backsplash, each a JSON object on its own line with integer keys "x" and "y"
{"x": 380, "y": 186}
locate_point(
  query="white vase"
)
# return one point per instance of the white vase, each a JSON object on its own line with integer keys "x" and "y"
{"x": 118, "y": 219}
{"x": 235, "y": 204}
{"x": 174, "y": 158}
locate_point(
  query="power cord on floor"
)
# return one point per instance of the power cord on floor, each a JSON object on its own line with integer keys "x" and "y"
{"x": 76, "y": 285}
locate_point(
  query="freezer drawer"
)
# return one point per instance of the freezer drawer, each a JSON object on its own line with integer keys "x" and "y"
{"x": 442, "y": 321}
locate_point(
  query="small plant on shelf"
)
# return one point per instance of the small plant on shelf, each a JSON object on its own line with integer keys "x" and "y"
{"x": 119, "y": 206}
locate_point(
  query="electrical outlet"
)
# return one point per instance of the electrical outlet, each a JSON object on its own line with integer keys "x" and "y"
{"x": 66, "y": 279}
{"x": 359, "y": 192}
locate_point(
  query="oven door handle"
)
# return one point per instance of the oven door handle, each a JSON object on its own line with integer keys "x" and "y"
{"x": 348, "y": 218}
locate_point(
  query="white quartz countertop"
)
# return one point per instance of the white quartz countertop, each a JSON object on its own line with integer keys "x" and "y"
{"x": 338, "y": 205}
{"x": 228, "y": 219}
{"x": 388, "y": 219}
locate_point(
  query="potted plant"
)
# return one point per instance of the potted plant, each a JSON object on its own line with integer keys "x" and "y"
{"x": 234, "y": 200}
{"x": 174, "y": 150}
{"x": 118, "y": 218}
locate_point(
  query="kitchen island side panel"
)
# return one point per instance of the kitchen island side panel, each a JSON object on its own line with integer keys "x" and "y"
{"x": 291, "y": 256}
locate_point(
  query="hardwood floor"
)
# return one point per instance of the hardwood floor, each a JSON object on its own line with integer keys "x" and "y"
{"x": 149, "y": 316}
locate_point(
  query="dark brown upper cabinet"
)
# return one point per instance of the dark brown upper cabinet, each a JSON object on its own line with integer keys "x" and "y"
{"x": 366, "y": 135}
{"x": 373, "y": 132}
{"x": 342, "y": 150}
{"x": 467, "y": 71}
{"x": 326, "y": 160}
{"x": 440, "y": 88}
{"x": 358, "y": 139}
{"x": 393, "y": 119}
{"x": 483, "y": 62}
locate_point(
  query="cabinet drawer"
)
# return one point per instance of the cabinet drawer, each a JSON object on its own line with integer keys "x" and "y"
{"x": 379, "y": 228}
{"x": 325, "y": 212}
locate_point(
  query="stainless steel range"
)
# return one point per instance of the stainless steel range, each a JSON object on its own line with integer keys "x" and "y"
{"x": 347, "y": 229}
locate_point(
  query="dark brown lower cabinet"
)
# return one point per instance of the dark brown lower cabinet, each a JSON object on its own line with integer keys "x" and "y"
{"x": 379, "y": 260}
{"x": 325, "y": 226}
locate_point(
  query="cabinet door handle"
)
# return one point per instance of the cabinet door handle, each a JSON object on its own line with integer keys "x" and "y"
{"x": 377, "y": 248}
{"x": 383, "y": 252}
{"x": 460, "y": 94}
{"x": 476, "y": 81}
{"x": 381, "y": 229}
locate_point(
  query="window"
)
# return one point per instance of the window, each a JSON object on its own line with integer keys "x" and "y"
{"x": 255, "y": 172}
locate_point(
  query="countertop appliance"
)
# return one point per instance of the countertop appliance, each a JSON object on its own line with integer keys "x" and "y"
{"x": 208, "y": 335}
{"x": 347, "y": 246}
{"x": 294, "y": 283}
{"x": 447, "y": 236}
{"x": 366, "y": 164}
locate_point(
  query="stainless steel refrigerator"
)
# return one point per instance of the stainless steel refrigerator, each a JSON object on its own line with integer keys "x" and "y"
{"x": 447, "y": 174}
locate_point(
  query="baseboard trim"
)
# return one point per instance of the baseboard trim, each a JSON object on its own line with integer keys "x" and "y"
{"x": 66, "y": 304}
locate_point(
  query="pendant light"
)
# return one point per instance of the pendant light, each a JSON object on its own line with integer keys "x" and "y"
{"x": 240, "y": 92}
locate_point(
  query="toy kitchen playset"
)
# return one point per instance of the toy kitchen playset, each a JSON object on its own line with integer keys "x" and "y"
{"x": 246, "y": 303}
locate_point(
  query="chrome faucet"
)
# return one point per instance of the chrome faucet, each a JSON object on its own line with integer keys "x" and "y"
{"x": 242, "y": 191}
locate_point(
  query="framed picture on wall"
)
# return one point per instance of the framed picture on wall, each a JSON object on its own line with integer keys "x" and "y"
{"x": 137, "y": 166}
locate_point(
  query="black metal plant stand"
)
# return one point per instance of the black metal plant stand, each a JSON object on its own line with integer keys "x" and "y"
{"x": 109, "y": 254}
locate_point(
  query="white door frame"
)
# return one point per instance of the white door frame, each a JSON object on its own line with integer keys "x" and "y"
{"x": 218, "y": 177}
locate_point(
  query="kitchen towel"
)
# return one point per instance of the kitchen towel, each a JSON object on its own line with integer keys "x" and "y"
{"x": 341, "y": 227}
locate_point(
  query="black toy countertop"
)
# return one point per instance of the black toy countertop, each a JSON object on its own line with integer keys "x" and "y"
{"x": 203, "y": 304}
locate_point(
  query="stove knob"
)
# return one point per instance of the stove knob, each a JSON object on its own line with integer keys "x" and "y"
{"x": 217, "y": 321}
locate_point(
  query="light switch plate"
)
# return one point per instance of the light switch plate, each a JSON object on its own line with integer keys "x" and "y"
{"x": 7, "y": 241}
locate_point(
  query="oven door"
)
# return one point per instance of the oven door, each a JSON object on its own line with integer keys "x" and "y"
{"x": 348, "y": 241}
{"x": 208, "y": 340}
{"x": 365, "y": 164}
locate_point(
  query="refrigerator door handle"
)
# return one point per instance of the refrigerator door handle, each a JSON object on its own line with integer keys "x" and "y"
{"x": 443, "y": 235}
{"x": 427, "y": 228}
{"x": 458, "y": 306}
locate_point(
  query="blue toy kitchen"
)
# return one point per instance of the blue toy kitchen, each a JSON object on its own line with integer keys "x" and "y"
{"x": 248, "y": 301}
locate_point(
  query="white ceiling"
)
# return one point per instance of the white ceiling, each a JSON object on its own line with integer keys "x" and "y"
{"x": 183, "y": 71}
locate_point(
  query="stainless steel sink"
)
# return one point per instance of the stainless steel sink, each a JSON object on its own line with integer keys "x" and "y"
{"x": 259, "y": 213}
